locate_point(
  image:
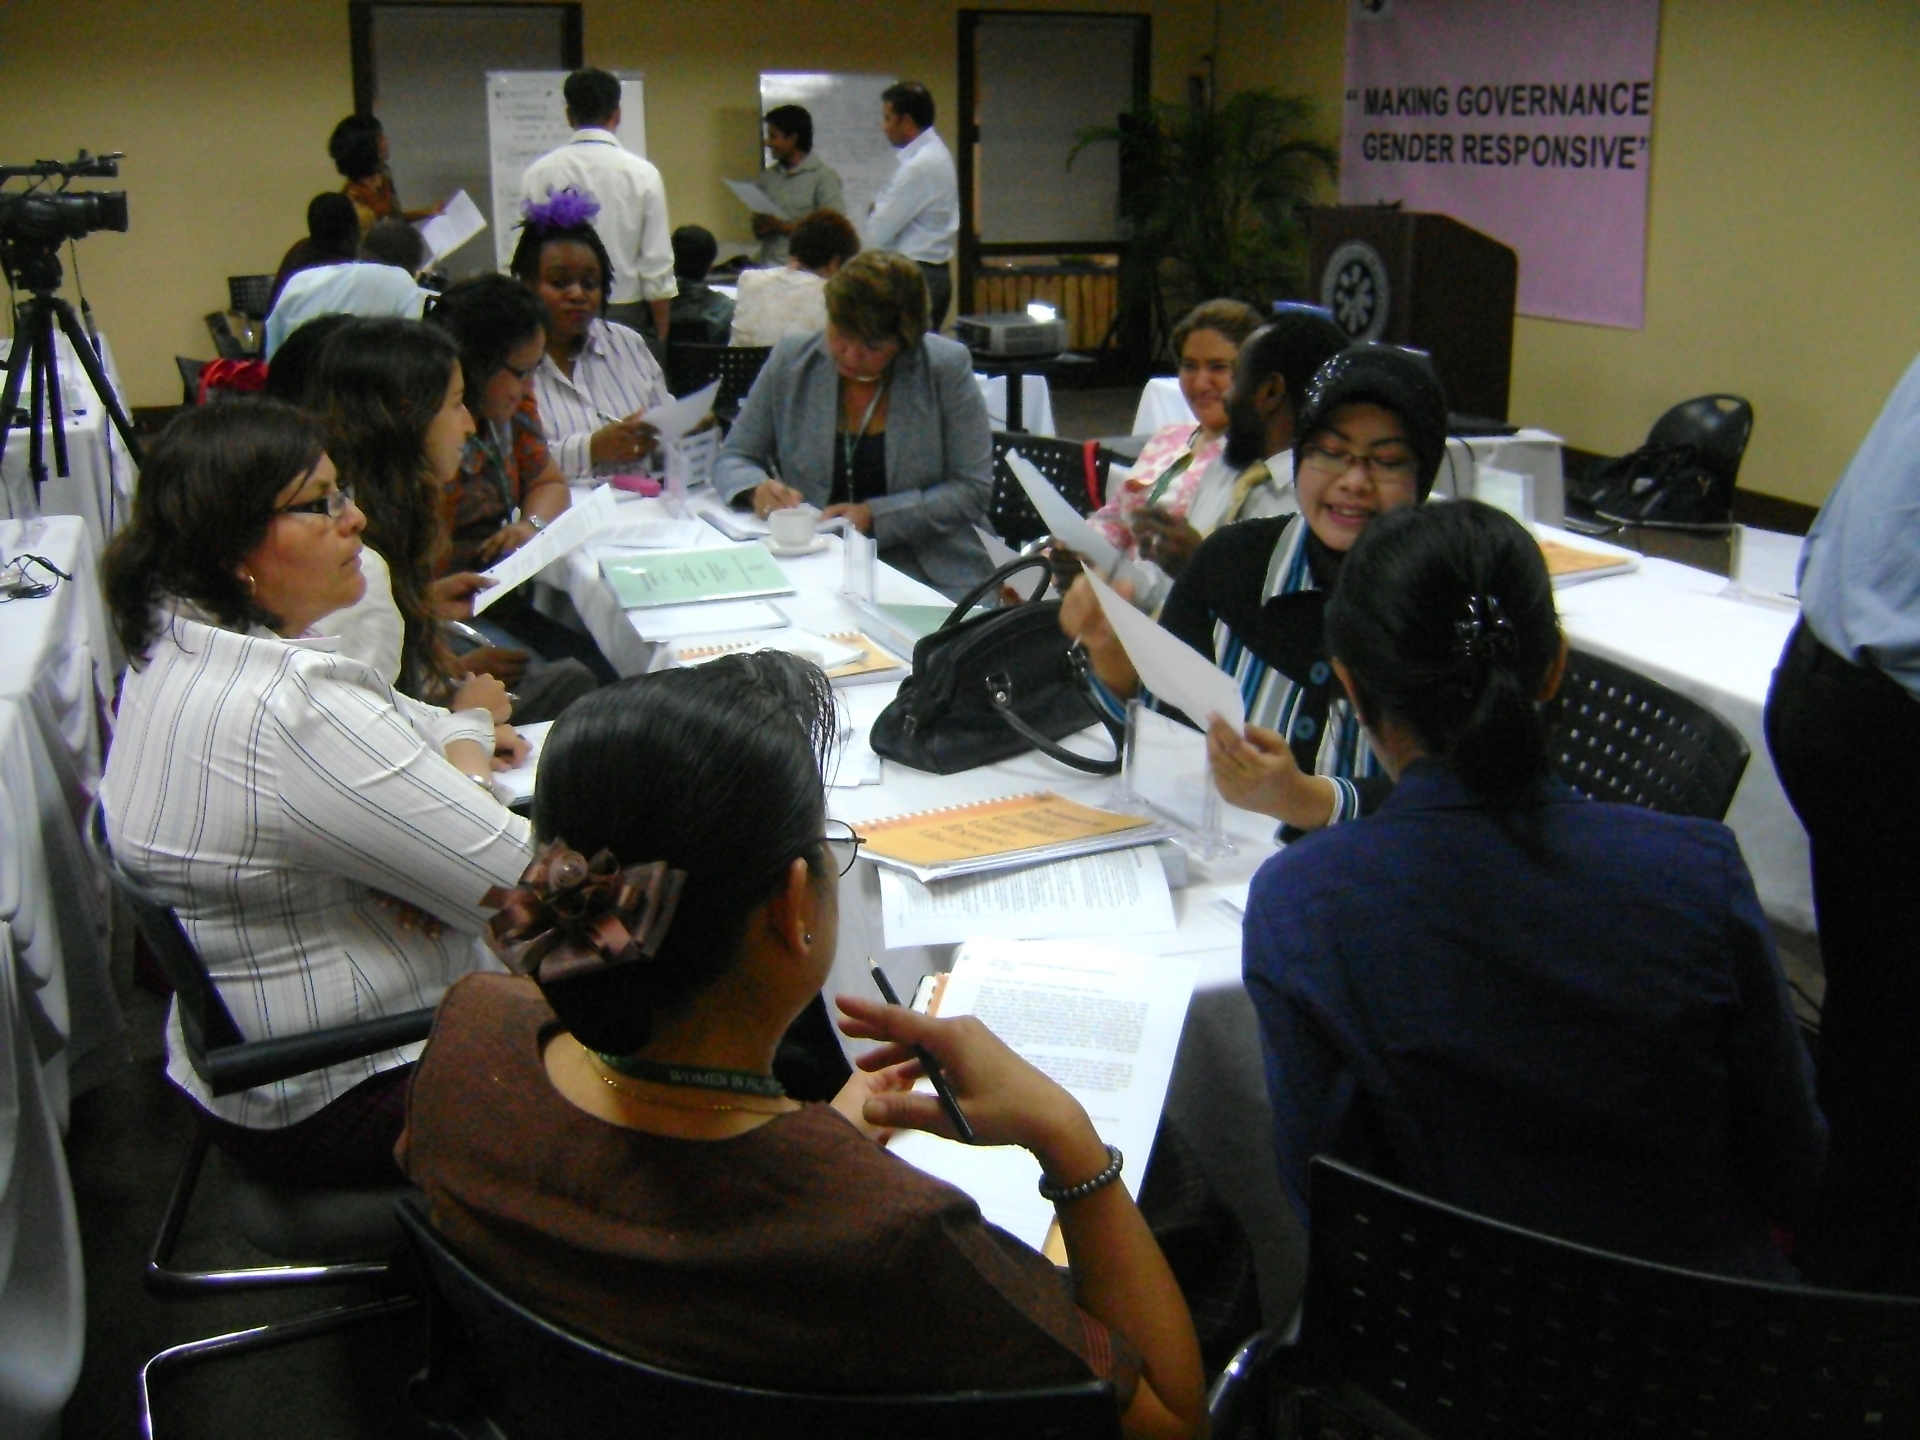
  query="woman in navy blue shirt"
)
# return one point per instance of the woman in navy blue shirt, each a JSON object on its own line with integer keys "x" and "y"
{"x": 1563, "y": 1014}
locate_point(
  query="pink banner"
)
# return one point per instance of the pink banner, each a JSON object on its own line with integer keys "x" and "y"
{"x": 1530, "y": 120}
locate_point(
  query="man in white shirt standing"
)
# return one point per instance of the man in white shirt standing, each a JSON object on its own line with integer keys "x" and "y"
{"x": 633, "y": 220}
{"x": 918, "y": 213}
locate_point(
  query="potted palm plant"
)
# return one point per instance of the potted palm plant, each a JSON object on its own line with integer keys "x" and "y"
{"x": 1211, "y": 202}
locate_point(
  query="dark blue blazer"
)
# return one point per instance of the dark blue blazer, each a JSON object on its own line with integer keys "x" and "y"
{"x": 1566, "y": 1014}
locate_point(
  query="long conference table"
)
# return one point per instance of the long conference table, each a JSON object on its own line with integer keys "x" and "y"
{"x": 1662, "y": 618}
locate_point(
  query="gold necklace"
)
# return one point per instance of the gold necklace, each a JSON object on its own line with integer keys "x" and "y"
{"x": 595, "y": 1068}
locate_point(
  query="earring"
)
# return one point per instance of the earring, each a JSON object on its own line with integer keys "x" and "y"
{"x": 807, "y": 937}
{"x": 247, "y": 575}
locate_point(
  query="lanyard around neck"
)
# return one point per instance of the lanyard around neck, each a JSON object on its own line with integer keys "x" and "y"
{"x": 850, "y": 441}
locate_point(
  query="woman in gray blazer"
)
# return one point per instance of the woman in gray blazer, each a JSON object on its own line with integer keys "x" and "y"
{"x": 876, "y": 420}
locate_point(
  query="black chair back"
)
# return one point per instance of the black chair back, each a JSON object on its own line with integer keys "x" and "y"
{"x": 249, "y": 294}
{"x": 1464, "y": 1326}
{"x": 1621, "y": 736}
{"x": 496, "y": 1369}
{"x": 1716, "y": 426}
{"x": 740, "y": 366}
{"x": 1010, "y": 515}
{"x": 691, "y": 364}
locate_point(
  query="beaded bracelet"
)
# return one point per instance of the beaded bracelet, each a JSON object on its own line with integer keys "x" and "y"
{"x": 1063, "y": 1194}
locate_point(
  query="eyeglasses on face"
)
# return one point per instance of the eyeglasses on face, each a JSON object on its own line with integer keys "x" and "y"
{"x": 331, "y": 505}
{"x": 843, "y": 844}
{"x": 1381, "y": 469}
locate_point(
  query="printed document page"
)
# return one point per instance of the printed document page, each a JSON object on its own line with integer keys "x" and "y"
{"x": 580, "y": 522}
{"x": 1121, "y": 892}
{"x": 1103, "y": 1023}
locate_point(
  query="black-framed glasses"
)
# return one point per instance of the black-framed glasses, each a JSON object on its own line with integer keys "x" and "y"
{"x": 331, "y": 505}
{"x": 29, "y": 577}
{"x": 1380, "y": 468}
{"x": 843, "y": 844}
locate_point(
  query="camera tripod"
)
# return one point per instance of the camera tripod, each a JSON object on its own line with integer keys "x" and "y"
{"x": 34, "y": 349}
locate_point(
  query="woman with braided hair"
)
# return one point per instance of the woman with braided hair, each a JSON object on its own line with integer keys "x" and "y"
{"x": 1560, "y": 1013}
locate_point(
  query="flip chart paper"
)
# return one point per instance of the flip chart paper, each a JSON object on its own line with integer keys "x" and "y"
{"x": 1174, "y": 671}
{"x": 1062, "y": 521}
{"x": 576, "y": 525}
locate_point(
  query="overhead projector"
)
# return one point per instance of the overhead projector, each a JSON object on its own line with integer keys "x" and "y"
{"x": 1034, "y": 334}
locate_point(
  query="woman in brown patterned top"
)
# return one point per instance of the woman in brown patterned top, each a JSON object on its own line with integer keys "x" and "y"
{"x": 602, "y": 1132}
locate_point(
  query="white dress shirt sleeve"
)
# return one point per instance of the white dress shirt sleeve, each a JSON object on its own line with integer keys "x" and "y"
{"x": 655, "y": 262}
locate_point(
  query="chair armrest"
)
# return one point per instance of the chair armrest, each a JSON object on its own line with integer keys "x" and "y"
{"x": 261, "y": 1062}
{"x": 1238, "y": 1393}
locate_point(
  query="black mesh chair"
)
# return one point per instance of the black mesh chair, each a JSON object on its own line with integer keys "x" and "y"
{"x": 248, "y": 295}
{"x": 1620, "y": 736}
{"x": 1068, "y": 466}
{"x": 691, "y": 364}
{"x": 190, "y": 371}
{"x": 1421, "y": 1320}
{"x": 331, "y": 1235}
{"x": 497, "y": 1371}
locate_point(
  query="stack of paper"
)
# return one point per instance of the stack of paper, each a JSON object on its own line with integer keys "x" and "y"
{"x": 1001, "y": 834}
{"x": 827, "y": 653}
{"x": 515, "y": 786}
{"x": 1118, "y": 892}
{"x": 1103, "y": 1024}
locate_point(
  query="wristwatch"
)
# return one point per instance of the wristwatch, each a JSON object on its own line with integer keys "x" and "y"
{"x": 537, "y": 522}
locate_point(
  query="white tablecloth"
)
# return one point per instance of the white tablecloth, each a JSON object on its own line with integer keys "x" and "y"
{"x": 99, "y": 488}
{"x": 62, "y": 1023}
{"x": 1035, "y": 398}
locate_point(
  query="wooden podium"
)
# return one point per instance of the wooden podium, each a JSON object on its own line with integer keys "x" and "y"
{"x": 1426, "y": 281}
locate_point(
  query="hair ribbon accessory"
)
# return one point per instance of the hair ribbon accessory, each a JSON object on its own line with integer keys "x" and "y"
{"x": 570, "y": 916}
{"x": 566, "y": 209}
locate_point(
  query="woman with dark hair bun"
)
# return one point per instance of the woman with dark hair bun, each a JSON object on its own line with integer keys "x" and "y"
{"x": 606, "y": 1131}
{"x": 1563, "y": 1014}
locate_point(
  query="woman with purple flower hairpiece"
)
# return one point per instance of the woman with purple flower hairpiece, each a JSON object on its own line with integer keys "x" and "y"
{"x": 597, "y": 379}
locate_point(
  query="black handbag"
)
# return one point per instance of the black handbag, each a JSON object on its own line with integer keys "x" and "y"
{"x": 991, "y": 686}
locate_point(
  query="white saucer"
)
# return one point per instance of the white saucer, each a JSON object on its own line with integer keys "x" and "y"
{"x": 818, "y": 544}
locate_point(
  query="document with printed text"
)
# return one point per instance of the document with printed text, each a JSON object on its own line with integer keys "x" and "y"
{"x": 575, "y": 525}
{"x": 1119, "y": 892}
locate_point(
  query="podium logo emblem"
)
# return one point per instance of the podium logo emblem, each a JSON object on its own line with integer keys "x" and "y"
{"x": 1354, "y": 287}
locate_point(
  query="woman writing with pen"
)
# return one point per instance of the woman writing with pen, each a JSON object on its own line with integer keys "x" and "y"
{"x": 604, "y": 1131}
{"x": 596, "y": 379}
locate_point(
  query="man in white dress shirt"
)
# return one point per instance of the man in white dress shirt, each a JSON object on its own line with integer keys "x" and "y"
{"x": 633, "y": 220}
{"x": 918, "y": 213}
{"x": 382, "y": 282}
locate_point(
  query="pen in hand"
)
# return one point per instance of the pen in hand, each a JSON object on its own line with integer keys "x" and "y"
{"x": 928, "y": 1064}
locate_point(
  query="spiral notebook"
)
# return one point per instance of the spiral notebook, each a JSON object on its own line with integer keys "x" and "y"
{"x": 1001, "y": 834}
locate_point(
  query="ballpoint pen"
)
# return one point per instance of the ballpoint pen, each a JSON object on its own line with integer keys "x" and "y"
{"x": 928, "y": 1064}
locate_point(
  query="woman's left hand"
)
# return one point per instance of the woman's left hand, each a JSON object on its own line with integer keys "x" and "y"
{"x": 504, "y": 541}
{"x": 1256, "y": 771}
{"x": 861, "y": 1086}
{"x": 858, "y": 516}
{"x": 1167, "y": 540}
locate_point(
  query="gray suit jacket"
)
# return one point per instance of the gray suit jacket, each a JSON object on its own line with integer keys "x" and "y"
{"x": 939, "y": 452}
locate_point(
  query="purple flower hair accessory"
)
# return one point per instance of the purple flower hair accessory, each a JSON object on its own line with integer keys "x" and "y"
{"x": 563, "y": 210}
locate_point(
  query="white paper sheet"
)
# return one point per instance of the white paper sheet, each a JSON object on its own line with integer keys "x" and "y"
{"x": 1121, "y": 892}
{"x": 1103, "y": 1023}
{"x": 723, "y": 619}
{"x": 1063, "y": 522}
{"x": 515, "y": 785}
{"x": 577, "y": 524}
{"x": 652, "y": 535}
{"x": 453, "y": 227}
{"x": 677, "y": 417}
{"x": 854, "y": 763}
{"x": 827, "y": 654}
{"x": 753, "y": 197}
{"x": 998, "y": 551}
{"x": 1176, "y": 673}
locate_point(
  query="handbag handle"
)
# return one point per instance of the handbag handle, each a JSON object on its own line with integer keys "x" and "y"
{"x": 1000, "y": 697}
{"x": 991, "y": 586}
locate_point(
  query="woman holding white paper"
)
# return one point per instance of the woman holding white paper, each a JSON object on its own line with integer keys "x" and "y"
{"x": 1372, "y": 433}
{"x": 612, "y": 1132}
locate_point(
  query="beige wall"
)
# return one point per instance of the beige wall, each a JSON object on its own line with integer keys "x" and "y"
{"x": 1784, "y": 216}
{"x": 224, "y": 106}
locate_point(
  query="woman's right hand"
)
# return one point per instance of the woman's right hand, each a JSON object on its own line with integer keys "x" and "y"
{"x": 484, "y": 692}
{"x": 505, "y": 665}
{"x": 1083, "y": 619}
{"x": 623, "y": 442}
{"x": 1006, "y": 1100}
{"x": 770, "y": 495}
{"x": 451, "y": 596}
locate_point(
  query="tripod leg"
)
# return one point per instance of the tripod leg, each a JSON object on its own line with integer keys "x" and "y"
{"x": 97, "y": 373}
{"x": 56, "y": 421}
{"x": 18, "y": 359}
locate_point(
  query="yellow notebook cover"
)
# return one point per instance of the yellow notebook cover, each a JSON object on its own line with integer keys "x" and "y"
{"x": 1573, "y": 560}
{"x": 990, "y": 827}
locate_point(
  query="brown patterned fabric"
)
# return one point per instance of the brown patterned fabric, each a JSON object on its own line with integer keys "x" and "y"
{"x": 799, "y": 1256}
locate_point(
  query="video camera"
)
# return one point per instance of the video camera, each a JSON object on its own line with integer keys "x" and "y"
{"x": 35, "y": 222}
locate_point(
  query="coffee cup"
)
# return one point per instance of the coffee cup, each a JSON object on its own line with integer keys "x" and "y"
{"x": 792, "y": 529}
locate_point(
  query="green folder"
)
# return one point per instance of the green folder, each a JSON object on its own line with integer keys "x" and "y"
{"x": 681, "y": 577}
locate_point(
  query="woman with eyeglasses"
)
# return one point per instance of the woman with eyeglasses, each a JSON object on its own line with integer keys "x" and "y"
{"x": 1559, "y": 1013}
{"x": 606, "y": 1131}
{"x": 326, "y": 842}
{"x": 1371, "y": 435}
